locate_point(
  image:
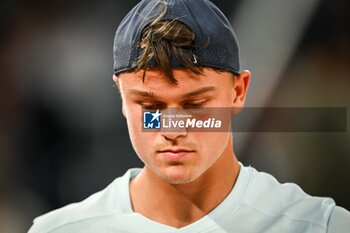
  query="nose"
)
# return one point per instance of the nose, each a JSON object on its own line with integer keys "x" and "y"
{"x": 173, "y": 127}
{"x": 173, "y": 134}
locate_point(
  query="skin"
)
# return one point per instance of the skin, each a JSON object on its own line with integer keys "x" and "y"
{"x": 192, "y": 185}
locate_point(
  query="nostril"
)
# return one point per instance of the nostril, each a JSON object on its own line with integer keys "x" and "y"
{"x": 173, "y": 135}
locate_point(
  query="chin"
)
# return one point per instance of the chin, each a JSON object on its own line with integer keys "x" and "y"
{"x": 170, "y": 180}
{"x": 178, "y": 175}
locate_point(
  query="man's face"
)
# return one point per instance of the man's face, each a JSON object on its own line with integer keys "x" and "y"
{"x": 182, "y": 156}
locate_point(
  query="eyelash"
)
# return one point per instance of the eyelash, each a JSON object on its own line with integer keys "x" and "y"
{"x": 151, "y": 106}
{"x": 195, "y": 104}
{"x": 160, "y": 106}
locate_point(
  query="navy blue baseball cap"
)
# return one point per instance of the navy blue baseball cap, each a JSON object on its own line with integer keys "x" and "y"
{"x": 216, "y": 45}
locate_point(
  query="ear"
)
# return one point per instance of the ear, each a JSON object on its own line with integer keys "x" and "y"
{"x": 240, "y": 89}
{"x": 117, "y": 84}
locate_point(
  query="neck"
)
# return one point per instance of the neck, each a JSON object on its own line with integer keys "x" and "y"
{"x": 182, "y": 204}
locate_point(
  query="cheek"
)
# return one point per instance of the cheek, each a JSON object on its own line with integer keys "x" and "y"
{"x": 141, "y": 141}
{"x": 133, "y": 118}
{"x": 213, "y": 143}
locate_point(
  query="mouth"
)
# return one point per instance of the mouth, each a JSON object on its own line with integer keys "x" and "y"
{"x": 175, "y": 154}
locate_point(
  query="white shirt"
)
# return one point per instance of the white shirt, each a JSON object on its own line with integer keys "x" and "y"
{"x": 256, "y": 204}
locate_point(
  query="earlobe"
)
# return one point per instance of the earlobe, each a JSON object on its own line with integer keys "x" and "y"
{"x": 123, "y": 110}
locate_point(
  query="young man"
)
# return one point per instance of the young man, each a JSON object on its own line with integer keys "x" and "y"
{"x": 183, "y": 55}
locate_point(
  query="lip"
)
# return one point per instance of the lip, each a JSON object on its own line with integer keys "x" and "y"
{"x": 175, "y": 154}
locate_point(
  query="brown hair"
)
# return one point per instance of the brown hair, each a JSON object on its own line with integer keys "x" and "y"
{"x": 162, "y": 39}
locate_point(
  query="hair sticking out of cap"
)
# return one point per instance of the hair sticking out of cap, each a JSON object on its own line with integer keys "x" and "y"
{"x": 164, "y": 40}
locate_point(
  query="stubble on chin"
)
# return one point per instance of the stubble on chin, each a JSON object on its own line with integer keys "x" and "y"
{"x": 175, "y": 179}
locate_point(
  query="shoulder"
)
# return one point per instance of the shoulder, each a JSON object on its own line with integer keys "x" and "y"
{"x": 273, "y": 200}
{"x": 97, "y": 205}
{"x": 339, "y": 220}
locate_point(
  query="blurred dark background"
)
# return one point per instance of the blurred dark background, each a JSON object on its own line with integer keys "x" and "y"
{"x": 62, "y": 134}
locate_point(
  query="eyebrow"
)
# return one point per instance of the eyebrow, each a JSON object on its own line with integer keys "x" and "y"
{"x": 148, "y": 94}
{"x": 198, "y": 92}
{"x": 152, "y": 95}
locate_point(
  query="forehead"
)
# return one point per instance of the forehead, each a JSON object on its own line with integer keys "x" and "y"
{"x": 156, "y": 81}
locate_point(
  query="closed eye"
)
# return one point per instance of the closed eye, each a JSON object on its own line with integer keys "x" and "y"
{"x": 152, "y": 106}
{"x": 197, "y": 104}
